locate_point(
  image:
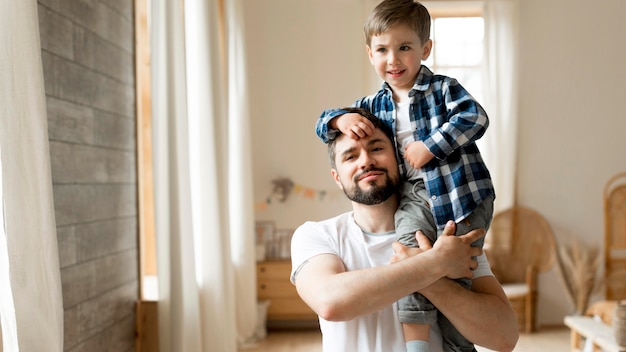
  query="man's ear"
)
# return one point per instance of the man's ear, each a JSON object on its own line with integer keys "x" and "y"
{"x": 335, "y": 175}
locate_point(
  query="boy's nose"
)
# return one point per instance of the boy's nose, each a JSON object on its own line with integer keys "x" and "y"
{"x": 392, "y": 58}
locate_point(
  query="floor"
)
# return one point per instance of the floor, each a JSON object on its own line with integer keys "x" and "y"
{"x": 547, "y": 339}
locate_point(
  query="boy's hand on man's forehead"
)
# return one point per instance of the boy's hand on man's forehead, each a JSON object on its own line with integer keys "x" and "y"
{"x": 354, "y": 125}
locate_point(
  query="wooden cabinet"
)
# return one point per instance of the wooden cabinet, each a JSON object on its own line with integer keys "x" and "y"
{"x": 273, "y": 284}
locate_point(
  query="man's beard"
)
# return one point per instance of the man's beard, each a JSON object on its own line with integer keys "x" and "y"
{"x": 376, "y": 194}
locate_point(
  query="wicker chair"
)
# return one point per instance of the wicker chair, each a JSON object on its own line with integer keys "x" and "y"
{"x": 615, "y": 237}
{"x": 520, "y": 244}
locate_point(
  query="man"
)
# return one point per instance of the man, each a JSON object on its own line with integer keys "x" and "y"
{"x": 341, "y": 265}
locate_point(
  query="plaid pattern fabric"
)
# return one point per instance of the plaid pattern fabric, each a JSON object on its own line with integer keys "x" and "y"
{"x": 449, "y": 121}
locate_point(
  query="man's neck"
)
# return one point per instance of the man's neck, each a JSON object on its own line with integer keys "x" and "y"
{"x": 377, "y": 218}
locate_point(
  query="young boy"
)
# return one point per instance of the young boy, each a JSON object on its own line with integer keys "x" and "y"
{"x": 436, "y": 124}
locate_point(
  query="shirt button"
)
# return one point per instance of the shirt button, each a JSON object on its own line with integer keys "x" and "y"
{"x": 433, "y": 197}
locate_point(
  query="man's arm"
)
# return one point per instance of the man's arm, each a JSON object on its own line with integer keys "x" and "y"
{"x": 483, "y": 315}
{"x": 339, "y": 295}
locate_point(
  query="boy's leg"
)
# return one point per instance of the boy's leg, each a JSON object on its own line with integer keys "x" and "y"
{"x": 414, "y": 214}
{"x": 480, "y": 218}
{"x": 415, "y": 312}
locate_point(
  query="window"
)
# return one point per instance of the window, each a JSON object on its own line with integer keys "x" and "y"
{"x": 457, "y": 35}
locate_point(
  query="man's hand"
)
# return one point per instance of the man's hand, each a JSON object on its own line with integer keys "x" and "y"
{"x": 353, "y": 125}
{"x": 455, "y": 253}
{"x": 402, "y": 252}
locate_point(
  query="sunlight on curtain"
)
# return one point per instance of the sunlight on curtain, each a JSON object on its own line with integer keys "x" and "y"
{"x": 240, "y": 190}
{"x": 34, "y": 320}
{"x": 8, "y": 325}
{"x": 206, "y": 275}
{"x": 178, "y": 307}
{"x": 499, "y": 146}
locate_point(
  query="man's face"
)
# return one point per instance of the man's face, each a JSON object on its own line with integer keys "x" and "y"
{"x": 366, "y": 169}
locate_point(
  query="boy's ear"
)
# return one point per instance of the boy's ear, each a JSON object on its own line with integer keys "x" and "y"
{"x": 369, "y": 54}
{"x": 428, "y": 47}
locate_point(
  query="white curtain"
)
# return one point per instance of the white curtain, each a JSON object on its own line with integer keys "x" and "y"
{"x": 241, "y": 192}
{"x": 31, "y": 307}
{"x": 204, "y": 215}
{"x": 499, "y": 146}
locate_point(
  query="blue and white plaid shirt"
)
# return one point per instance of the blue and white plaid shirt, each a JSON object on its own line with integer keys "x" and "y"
{"x": 449, "y": 121}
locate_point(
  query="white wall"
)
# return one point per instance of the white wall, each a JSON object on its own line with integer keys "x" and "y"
{"x": 306, "y": 56}
{"x": 572, "y": 130}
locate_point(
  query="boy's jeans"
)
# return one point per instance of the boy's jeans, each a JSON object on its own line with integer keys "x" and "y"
{"x": 414, "y": 214}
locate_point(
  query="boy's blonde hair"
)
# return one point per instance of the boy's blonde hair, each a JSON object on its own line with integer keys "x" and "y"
{"x": 392, "y": 12}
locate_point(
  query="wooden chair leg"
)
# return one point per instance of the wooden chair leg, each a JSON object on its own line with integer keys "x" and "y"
{"x": 529, "y": 312}
{"x": 575, "y": 341}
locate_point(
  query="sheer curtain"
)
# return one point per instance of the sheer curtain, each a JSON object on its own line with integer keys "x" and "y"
{"x": 204, "y": 216}
{"x": 499, "y": 146}
{"x": 31, "y": 308}
{"x": 241, "y": 198}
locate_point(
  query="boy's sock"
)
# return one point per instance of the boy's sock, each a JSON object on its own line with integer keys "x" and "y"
{"x": 417, "y": 346}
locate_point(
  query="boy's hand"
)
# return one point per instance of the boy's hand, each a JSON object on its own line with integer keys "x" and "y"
{"x": 417, "y": 154}
{"x": 353, "y": 125}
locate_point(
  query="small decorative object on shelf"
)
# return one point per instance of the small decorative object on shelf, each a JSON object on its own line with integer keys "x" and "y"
{"x": 264, "y": 232}
{"x": 619, "y": 323}
{"x": 272, "y": 243}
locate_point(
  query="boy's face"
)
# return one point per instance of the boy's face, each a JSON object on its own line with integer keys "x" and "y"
{"x": 397, "y": 56}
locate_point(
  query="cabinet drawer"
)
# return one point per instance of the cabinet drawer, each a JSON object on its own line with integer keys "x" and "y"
{"x": 273, "y": 284}
{"x": 272, "y": 289}
{"x": 275, "y": 270}
{"x": 289, "y": 306}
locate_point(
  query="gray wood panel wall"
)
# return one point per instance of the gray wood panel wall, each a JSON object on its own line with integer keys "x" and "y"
{"x": 88, "y": 67}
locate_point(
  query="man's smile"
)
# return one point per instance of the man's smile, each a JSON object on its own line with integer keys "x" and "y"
{"x": 370, "y": 175}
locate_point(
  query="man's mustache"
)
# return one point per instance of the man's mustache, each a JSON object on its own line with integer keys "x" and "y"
{"x": 371, "y": 169}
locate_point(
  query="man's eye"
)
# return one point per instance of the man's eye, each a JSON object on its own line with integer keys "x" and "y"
{"x": 348, "y": 157}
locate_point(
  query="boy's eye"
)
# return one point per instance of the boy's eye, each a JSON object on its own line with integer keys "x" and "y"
{"x": 381, "y": 50}
{"x": 405, "y": 48}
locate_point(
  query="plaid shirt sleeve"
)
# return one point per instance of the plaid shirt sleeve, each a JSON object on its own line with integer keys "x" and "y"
{"x": 373, "y": 103}
{"x": 458, "y": 122}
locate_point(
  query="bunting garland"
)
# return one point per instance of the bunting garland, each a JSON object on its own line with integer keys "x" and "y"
{"x": 285, "y": 187}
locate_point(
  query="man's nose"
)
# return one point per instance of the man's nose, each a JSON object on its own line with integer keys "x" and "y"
{"x": 366, "y": 160}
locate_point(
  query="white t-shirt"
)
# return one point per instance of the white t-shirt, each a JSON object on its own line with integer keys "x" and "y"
{"x": 377, "y": 332}
{"x": 404, "y": 136}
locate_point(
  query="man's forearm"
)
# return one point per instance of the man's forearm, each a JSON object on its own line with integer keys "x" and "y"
{"x": 346, "y": 295}
{"x": 483, "y": 315}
